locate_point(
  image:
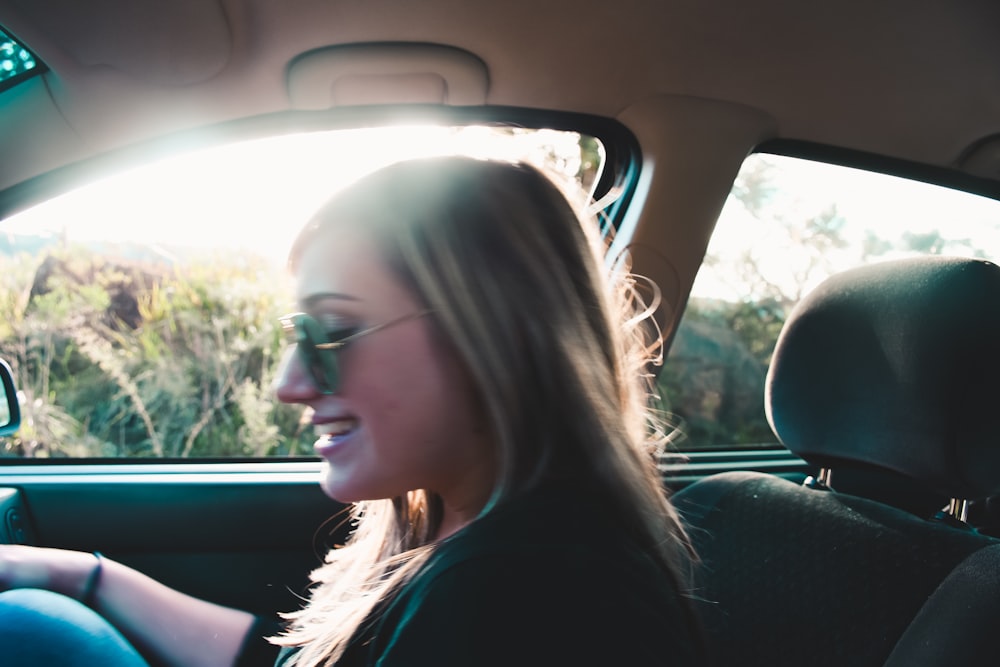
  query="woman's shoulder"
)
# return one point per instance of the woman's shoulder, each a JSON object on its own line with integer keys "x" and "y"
{"x": 572, "y": 543}
{"x": 538, "y": 584}
{"x": 563, "y": 569}
{"x": 544, "y": 522}
{"x": 532, "y": 585}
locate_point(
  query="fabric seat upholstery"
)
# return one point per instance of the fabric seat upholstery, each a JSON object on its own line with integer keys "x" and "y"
{"x": 881, "y": 373}
{"x": 969, "y": 602}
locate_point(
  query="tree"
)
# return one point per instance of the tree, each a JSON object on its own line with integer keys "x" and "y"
{"x": 777, "y": 239}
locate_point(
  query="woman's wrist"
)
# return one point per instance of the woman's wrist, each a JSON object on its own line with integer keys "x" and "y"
{"x": 88, "y": 594}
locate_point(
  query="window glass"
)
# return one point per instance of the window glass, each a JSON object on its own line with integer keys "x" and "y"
{"x": 16, "y": 62}
{"x": 788, "y": 224}
{"x": 143, "y": 308}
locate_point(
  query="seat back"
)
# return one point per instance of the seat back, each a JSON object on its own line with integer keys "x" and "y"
{"x": 894, "y": 366}
{"x": 956, "y": 625}
{"x": 880, "y": 374}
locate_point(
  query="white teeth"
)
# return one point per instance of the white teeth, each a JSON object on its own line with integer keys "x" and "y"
{"x": 339, "y": 427}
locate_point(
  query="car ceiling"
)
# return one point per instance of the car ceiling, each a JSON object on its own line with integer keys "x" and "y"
{"x": 920, "y": 82}
{"x": 699, "y": 82}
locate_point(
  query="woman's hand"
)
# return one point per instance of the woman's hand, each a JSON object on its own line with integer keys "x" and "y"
{"x": 177, "y": 629}
{"x": 57, "y": 570}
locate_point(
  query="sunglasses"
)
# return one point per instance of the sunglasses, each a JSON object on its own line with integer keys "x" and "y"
{"x": 318, "y": 347}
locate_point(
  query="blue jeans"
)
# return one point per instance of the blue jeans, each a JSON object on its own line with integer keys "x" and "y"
{"x": 43, "y": 628}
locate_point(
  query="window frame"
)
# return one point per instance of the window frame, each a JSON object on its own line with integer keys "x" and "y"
{"x": 620, "y": 173}
{"x": 952, "y": 179}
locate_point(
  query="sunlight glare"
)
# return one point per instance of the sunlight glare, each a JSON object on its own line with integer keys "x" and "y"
{"x": 254, "y": 195}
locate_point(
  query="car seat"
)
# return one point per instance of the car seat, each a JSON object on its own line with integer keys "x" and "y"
{"x": 886, "y": 378}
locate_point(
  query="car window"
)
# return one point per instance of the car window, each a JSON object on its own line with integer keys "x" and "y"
{"x": 143, "y": 308}
{"x": 17, "y": 63}
{"x": 788, "y": 224}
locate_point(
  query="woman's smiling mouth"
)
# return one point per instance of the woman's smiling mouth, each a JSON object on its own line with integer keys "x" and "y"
{"x": 332, "y": 434}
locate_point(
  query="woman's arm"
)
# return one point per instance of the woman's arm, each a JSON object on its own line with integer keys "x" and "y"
{"x": 159, "y": 621}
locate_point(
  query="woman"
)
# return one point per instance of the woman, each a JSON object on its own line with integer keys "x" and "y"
{"x": 477, "y": 383}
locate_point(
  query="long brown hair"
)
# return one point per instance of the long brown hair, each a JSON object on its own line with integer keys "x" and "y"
{"x": 554, "y": 338}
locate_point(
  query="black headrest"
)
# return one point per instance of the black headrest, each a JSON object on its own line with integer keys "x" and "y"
{"x": 896, "y": 365}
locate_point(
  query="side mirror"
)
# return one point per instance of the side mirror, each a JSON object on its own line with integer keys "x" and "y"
{"x": 10, "y": 412}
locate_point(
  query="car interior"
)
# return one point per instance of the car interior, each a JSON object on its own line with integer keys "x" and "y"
{"x": 882, "y": 378}
{"x": 812, "y": 190}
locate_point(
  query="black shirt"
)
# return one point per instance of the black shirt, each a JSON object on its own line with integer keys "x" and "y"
{"x": 547, "y": 579}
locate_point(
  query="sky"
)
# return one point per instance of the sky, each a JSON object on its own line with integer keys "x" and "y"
{"x": 884, "y": 206}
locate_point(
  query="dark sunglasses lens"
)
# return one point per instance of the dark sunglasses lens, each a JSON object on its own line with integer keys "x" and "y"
{"x": 321, "y": 364}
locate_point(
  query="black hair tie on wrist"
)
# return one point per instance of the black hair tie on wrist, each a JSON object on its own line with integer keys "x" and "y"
{"x": 93, "y": 581}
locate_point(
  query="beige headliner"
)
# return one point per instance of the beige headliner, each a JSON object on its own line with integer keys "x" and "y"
{"x": 699, "y": 82}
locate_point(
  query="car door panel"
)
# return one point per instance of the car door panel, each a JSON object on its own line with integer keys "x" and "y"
{"x": 240, "y": 534}
{"x": 245, "y": 535}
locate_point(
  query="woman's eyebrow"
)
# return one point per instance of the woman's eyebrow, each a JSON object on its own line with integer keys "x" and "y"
{"x": 313, "y": 299}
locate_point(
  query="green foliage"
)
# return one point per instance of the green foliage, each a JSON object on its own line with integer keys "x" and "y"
{"x": 126, "y": 359}
{"x": 713, "y": 381}
{"x": 117, "y": 357}
{"x": 778, "y": 240}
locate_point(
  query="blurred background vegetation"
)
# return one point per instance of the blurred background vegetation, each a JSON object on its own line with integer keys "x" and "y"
{"x": 126, "y": 349}
{"x": 777, "y": 239}
{"x": 129, "y": 358}
{"x": 131, "y": 350}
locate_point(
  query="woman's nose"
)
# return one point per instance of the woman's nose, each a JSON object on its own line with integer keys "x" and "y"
{"x": 292, "y": 383}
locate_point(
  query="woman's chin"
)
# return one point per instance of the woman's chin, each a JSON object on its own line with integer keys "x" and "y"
{"x": 336, "y": 487}
{"x": 329, "y": 483}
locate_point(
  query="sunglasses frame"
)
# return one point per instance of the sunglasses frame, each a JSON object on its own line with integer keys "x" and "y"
{"x": 320, "y": 358}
